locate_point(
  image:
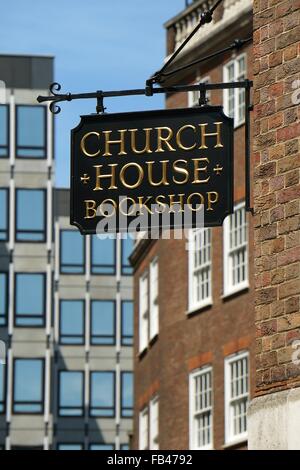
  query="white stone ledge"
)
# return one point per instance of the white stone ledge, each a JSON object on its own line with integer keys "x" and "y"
{"x": 274, "y": 421}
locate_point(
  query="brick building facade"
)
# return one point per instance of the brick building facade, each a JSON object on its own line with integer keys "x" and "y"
{"x": 274, "y": 413}
{"x": 194, "y": 313}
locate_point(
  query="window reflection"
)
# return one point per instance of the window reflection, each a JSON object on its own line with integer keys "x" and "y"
{"x": 70, "y": 393}
{"x": 103, "y": 322}
{"x": 103, "y": 255}
{"x": 31, "y": 131}
{"x": 28, "y": 386}
{"x": 30, "y": 299}
{"x": 30, "y": 221}
{"x": 72, "y": 252}
{"x": 127, "y": 323}
{"x": 102, "y": 399}
{"x": 71, "y": 323}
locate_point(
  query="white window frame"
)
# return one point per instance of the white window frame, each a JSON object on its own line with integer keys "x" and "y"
{"x": 144, "y": 429}
{"x": 143, "y": 312}
{"x": 229, "y": 287}
{"x": 194, "y": 304}
{"x": 230, "y": 437}
{"x": 237, "y": 92}
{"x": 154, "y": 305}
{"x": 193, "y": 96}
{"x": 154, "y": 423}
{"x": 193, "y": 413}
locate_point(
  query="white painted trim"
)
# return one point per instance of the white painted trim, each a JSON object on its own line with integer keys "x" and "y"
{"x": 9, "y": 387}
{"x": 87, "y": 316}
{"x": 192, "y": 305}
{"x": 118, "y": 322}
{"x": 153, "y": 307}
{"x": 152, "y": 444}
{"x": 48, "y": 298}
{"x": 203, "y": 370}
{"x": 143, "y": 344}
{"x": 49, "y": 118}
{"x": 233, "y": 61}
{"x": 56, "y": 318}
{"x": 12, "y": 129}
{"x": 49, "y": 217}
{"x": 227, "y": 361}
{"x": 118, "y": 394}
{"x": 12, "y": 212}
{"x": 144, "y": 417}
{"x": 229, "y": 290}
{"x": 86, "y": 398}
{"x": 207, "y": 303}
{"x": 47, "y": 385}
{"x": 56, "y": 249}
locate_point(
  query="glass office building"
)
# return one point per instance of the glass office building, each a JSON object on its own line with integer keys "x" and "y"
{"x": 66, "y": 313}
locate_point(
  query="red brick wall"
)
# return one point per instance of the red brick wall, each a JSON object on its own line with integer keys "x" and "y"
{"x": 276, "y": 192}
{"x": 188, "y": 342}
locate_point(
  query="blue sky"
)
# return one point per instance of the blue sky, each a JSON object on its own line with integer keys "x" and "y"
{"x": 97, "y": 44}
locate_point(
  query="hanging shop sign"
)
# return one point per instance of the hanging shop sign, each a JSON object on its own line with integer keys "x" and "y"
{"x": 155, "y": 169}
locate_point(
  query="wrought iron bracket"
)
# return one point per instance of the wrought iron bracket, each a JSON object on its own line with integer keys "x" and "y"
{"x": 150, "y": 90}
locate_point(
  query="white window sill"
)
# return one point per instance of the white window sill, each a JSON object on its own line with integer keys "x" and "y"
{"x": 142, "y": 351}
{"x": 239, "y": 124}
{"x": 210, "y": 447}
{"x": 195, "y": 308}
{"x": 234, "y": 290}
{"x": 243, "y": 438}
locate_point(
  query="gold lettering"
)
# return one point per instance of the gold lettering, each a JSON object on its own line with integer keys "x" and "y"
{"x": 144, "y": 204}
{"x": 133, "y": 211}
{"x": 197, "y": 169}
{"x": 103, "y": 208}
{"x": 210, "y": 200}
{"x": 140, "y": 178}
{"x": 90, "y": 207}
{"x": 147, "y": 148}
{"x": 161, "y": 139}
{"x": 182, "y": 171}
{"x": 178, "y": 137}
{"x": 198, "y": 206}
{"x": 82, "y": 144}
{"x": 112, "y": 177}
{"x": 109, "y": 142}
{"x": 160, "y": 203}
{"x": 172, "y": 202}
{"x": 210, "y": 134}
{"x": 164, "y": 173}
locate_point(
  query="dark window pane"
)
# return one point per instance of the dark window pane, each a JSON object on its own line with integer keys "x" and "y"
{"x": 103, "y": 255}
{"x": 127, "y": 394}
{"x": 2, "y": 385}
{"x": 127, "y": 323}
{"x": 102, "y": 446}
{"x": 28, "y": 386}
{"x": 3, "y": 131}
{"x": 30, "y": 223}
{"x": 71, "y": 252}
{"x": 102, "y": 394}
{"x": 72, "y": 322}
{"x": 30, "y": 299}
{"x": 31, "y": 137}
{"x": 127, "y": 246}
{"x": 3, "y": 298}
{"x": 70, "y": 447}
{"x": 71, "y": 393}
{"x": 103, "y": 322}
{"x": 3, "y": 214}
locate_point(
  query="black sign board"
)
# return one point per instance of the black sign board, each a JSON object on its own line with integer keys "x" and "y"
{"x": 154, "y": 169}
